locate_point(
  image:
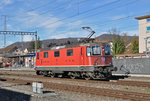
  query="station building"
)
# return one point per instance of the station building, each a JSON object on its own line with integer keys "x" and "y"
{"x": 144, "y": 33}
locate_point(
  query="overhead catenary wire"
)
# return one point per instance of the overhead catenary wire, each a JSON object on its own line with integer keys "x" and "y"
{"x": 116, "y": 7}
{"x": 81, "y": 13}
{"x": 41, "y": 6}
{"x": 85, "y": 11}
{"x": 129, "y": 26}
{"x": 98, "y": 13}
{"x": 110, "y": 21}
{"x": 51, "y": 10}
{"x": 38, "y": 7}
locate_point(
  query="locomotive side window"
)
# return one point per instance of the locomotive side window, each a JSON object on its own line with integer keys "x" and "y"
{"x": 37, "y": 55}
{"x": 70, "y": 52}
{"x": 88, "y": 51}
{"x": 107, "y": 50}
{"x": 56, "y": 53}
{"x": 96, "y": 50}
{"x": 45, "y": 54}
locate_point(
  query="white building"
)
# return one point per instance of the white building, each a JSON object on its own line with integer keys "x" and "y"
{"x": 144, "y": 33}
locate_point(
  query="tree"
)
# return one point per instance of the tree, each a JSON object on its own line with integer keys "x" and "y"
{"x": 135, "y": 45}
{"x": 38, "y": 43}
{"x": 118, "y": 46}
{"x": 125, "y": 38}
{"x": 32, "y": 44}
{"x": 118, "y": 43}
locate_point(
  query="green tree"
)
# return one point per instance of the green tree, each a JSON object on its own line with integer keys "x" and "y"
{"x": 38, "y": 43}
{"x": 118, "y": 46}
{"x": 125, "y": 38}
{"x": 135, "y": 45}
{"x": 118, "y": 42}
{"x": 32, "y": 44}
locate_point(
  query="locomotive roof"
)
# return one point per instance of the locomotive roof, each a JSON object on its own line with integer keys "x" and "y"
{"x": 72, "y": 45}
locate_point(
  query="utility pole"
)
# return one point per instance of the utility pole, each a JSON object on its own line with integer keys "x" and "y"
{"x": 35, "y": 41}
{"x": 5, "y": 28}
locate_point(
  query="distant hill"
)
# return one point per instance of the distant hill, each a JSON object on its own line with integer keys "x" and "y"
{"x": 45, "y": 43}
{"x": 50, "y": 42}
{"x": 109, "y": 37}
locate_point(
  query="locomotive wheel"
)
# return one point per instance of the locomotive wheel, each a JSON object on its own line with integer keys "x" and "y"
{"x": 37, "y": 72}
{"x": 52, "y": 75}
{"x": 72, "y": 77}
{"x": 87, "y": 78}
{"x": 45, "y": 73}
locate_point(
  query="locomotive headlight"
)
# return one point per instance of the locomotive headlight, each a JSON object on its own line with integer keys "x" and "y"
{"x": 110, "y": 63}
{"x": 95, "y": 64}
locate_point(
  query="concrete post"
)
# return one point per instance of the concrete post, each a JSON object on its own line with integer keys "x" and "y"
{"x": 37, "y": 87}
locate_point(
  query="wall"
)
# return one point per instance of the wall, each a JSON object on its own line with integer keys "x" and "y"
{"x": 134, "y": 66}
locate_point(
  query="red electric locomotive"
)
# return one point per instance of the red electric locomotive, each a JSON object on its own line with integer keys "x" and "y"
{"x": 86, "y": 60}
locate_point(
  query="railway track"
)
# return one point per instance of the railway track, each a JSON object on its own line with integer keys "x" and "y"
{"x": 83, "y": 89}
{"x": 116, "y": 82}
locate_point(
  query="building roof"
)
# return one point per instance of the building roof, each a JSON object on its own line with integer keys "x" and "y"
{"x": 142, "y": 17}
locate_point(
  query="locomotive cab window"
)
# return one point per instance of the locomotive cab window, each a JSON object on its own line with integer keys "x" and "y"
{"x": 94, "y": 50}
{"x": 107, "y": 50}
{"x": 37, "y": 55}
{"x": 45, "y": 54}
{"x": 70, "y": 52}
{"x": 56, "y": 54}
{"x": 88, "y": 51}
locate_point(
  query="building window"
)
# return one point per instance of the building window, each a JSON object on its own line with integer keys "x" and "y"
{"x": 148, "y": 29}
{"x": 45, "y": 54}
{"x": 37, "y": 55}
{"x": 56, "y": 53}
{"x": 70, "y": 52}
{"x": 148, "y": 20}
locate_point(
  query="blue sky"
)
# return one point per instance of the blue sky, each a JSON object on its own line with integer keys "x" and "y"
{"x": 64, "y": 18}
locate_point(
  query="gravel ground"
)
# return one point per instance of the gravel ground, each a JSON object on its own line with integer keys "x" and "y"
{"x": 14, "y": 92}
{"x": 31, "y": 71}
{"x": 66, "y": 95}
{"x": 97, "y": 85}
{"x": 144, "y": 79}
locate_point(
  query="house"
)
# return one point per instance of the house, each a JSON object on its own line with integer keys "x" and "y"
{"x": 144, "y": 33}
{"x": 16, "y": 57}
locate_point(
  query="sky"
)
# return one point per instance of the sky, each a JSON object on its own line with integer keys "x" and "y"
{"x": 54, "y": 19}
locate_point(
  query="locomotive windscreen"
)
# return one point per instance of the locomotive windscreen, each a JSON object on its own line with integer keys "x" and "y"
{"x": 107, "y": 50}
{"x": 94, "y": 50}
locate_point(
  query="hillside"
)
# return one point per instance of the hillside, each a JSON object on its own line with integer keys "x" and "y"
{"x": 109, "y": 37}
{"x": 44, "y": 43}
{"x": 50, "y": 42}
